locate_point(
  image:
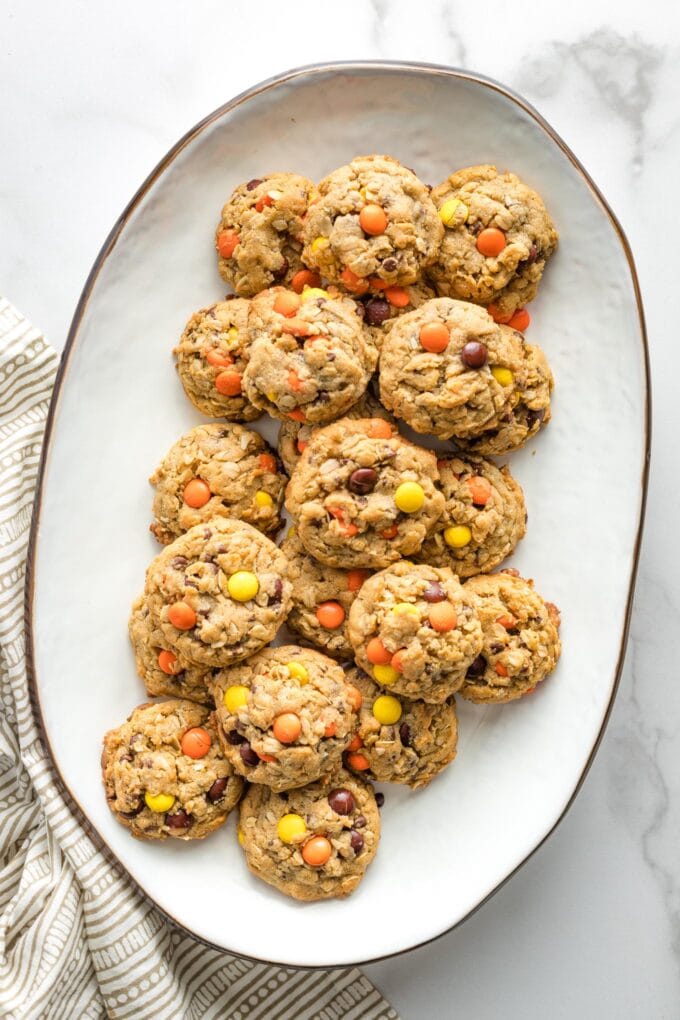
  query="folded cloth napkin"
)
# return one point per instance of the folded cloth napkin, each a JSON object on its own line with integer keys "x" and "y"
{"x": 77, "y": 941}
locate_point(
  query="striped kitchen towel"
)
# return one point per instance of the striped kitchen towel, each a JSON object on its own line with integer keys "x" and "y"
{"x": 77, "y": 941}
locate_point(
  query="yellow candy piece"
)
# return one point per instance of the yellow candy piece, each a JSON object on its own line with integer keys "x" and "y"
{"x": 385, "y": 675}
{"x": 406, "y": 607}
{"x": 291, "y": 531}
{"x": 235, "y": 697}
{"x": 298, "y": 672}
{"x": 243, "y": 586}
{"x": 453, "y": 212}
{"x": 457, "y": 536}
{"x": 159, "y": 802}
{"x": 409, "y": 497}
{"x": 313, "y": 196}
{"x": 387, "y": 710}
{"x": 290, "y": 828}
{"x": 241, "y": 836}
{"x": 503, "y": 376}
{"x": 311, "y": 293}
{"x": 319, "y": 243}
{"x": 232, "y": 334}
{"x": 271, "y": 397}
{"x": 263, "y": 498}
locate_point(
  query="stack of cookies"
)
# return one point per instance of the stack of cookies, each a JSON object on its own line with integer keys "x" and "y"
{"x": 367, "y": 302}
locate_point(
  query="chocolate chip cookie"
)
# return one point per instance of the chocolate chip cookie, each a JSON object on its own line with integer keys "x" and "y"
{"x": 285, "y": 716}
{"x": 416, "y": 629}
{"x": 164, "y": 774}
{"x": 314, "y": 843}
{"x": 362, "y": 496}
{"x": 217, "y": 471}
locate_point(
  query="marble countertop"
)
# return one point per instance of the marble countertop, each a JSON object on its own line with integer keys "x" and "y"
{"x": 93, "y": 97}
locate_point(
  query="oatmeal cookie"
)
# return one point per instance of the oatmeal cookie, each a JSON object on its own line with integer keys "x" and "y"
{"x": 362, "y": 496}
{"x": 483, "y": 520}
{"x": 258, "y": 237}
{"x": 314, "y": 843}
{"x": 374, "y": 218}
{"x": 416, "y": 629}
{"x": 217, "y": 471}
{"x": 164, "y": 774}
{"x": 211, "y": 357}
{"x": 399, "y": 740}
{"x": 322, "y": 598}
{"x": 521, "y": 638}
{"x": 309, "y": 356}
{"x": 498, "y": 237}
{"x": 162, "y": 670}
{"x": 219, "y": 592}
{"x": 448, "y": 369}
{"x": 285, "y": 716}
{"x": 382, "y": 308}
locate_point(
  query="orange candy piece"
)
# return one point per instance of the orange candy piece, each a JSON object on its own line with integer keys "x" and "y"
{"x": 294, "y": 381}
{"x": 391, "y": 532}
{"x": 296, "y": 415}
{"x": 358, "y": 761}
{"x": 497, "y": 315}
{"x": 216, "y": 358}
{"x": 262, "y": 202}
{"x": 267, "y": 462}
{"x": 480, "y": 490}
{"x": 373, "y": 220}
{"x": 196, "y": 742}
{"x": 182, "y": 616}
{"x": 330, "y": 730}
{"x": 490, "y": 242}
{"x": 301, "y": 445}
{"x": 196, "y": 493}
{"x": 376, "y": 283}
{"x": 507, "y": 620}
{"x": 287, "y": 727}
{"x": 398, "y": 660}
{"x": 376, "y": 653}
{"x": 305, "y": 278}
{"x": 500, "y": 669}
{"x": 355, "y": 579}
{"x": 398, "y": 297}
{"x": 434, "y": 337}
{"x": 227, "y": 241}
{"x": 317, "y": 851}
{"x": 350, "y": 530}
{"x": 355, "y": 743}
{"x": 228, "y": 384}
{"x": 330, "y": 615}
{"x": 286, "y": 303}
{"x": 355, "y": 697}
{"x": 442, "y": 616}
{"x": 355, "y": 284}
{"x": 298, "y": 327}
{"x": 167, "y": 661}
{"x": 520, "y": 320}
{"x": 378, "y": 428}
{"x": 265, "y": 757}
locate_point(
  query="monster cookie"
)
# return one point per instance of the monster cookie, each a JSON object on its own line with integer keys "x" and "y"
{"x": 313, "y": 843}
{"x": 217, "y": 471}
{"x": 161, "y": 669}
{"x": 362, "y": 496}
{"x": 258, "y": 237}
{"x": 373, "y": 219}
{"x": 164, "y": 773}
{"x": 285, "y": 716}
{"x": 415, "y": 629}
{"x": 398, "y": 740}
{"x": 211, "y": 358}
{"x": 322, "y": 597}
{"x": 309, "y": 357}
{"x": 219, "y": 592}
{"x": 498, "y": 237}
{"x": 521, "y": 639}
{"x": 293, "y": 436}
{"x": 484, "y": 517}
{"x": 449, "y": 370}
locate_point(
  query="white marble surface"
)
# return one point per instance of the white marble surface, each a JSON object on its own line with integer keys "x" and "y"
{"x": 93, "y": 95}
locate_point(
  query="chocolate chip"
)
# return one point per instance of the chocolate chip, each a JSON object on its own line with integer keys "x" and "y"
{"x": 179, "y": 562}
{"x": 207, "y": 533}
{"x": 356, "y": 841}
{"x": 359, "y": 822}
{"x": 248, "y": 755}
{"x": 190, "y": 583}
{"x": 275, "y": 597}
{"x": 475, "y": 227}
{"x": 474, "y": 354}
{"x": 535, "y": 417}
{"x": 477, "y": 667}
{"x": 361, "y": 309}
{"x": 362, "y": 480}
{"x": 377, "y": 311}
{"x": 282, "y": 270}
{"x": 533, "y": 254}
{"x": 434, "y": 592}
{"x": 134, "y": 812}
{"x": 216, "y": 791}
{"x": 235, "y": 738}
{"x": 342, "y": 801}
{"x": 389, "y": 265}
{"x": 251, "y": 185}
{"x": 180, "y": 820}
{"x": 228, "y": 297}
{"x": 496, "y": 647}
{"x": 405, "y": 734}
{"x": 380, "y": 799}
